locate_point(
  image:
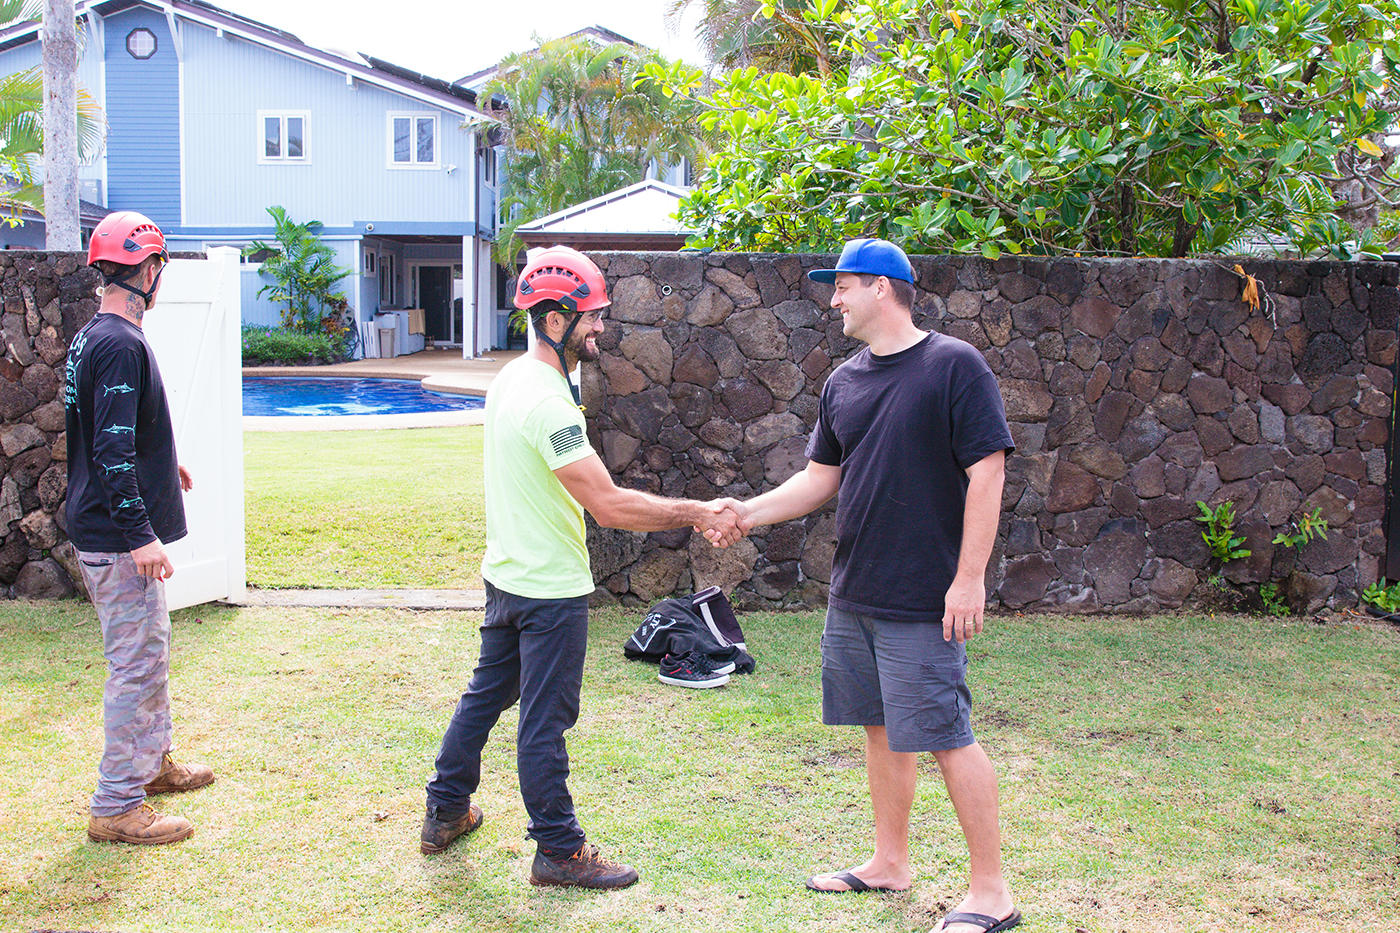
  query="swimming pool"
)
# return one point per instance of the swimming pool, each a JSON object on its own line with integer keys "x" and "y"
{"x": 279, "y": 395}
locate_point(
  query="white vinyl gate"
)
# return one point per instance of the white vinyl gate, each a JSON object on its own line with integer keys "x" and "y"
{"x": 194, "y": 331}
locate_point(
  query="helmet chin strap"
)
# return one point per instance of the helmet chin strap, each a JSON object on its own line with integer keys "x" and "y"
{"x": 558, "y": 346}
{"x": 146, "y": 295}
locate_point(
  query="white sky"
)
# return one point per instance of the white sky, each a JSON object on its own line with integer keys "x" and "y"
{"x": 451, "y": 39}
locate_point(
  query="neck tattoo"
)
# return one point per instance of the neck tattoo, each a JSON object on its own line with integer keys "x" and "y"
{"x": 135, "y": 308}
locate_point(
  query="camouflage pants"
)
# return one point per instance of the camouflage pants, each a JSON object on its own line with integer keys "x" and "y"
{"x": 135, "y": 704}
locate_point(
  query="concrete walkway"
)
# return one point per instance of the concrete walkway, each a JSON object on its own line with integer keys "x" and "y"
{"x": 436, "y": 370}
{"x": 456, "y": 600}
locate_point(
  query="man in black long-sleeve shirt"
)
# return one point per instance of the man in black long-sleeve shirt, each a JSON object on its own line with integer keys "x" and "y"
{"x": 124, "y": 505}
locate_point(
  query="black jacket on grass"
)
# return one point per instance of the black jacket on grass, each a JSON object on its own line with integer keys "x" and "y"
{"x": 674, "y": 627}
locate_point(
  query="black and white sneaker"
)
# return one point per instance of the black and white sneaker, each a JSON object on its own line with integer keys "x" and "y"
{"x": 692, "y": 669}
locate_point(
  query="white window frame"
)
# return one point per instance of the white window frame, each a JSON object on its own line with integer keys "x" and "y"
{"x": 413, "y": 116}
{"x": 370, "y": 264}
{"x": 282, "y": 115}
{"x": 386, "y": 280}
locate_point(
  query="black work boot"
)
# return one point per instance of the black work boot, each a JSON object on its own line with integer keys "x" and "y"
{"x": 441, "y": 827}
{"x": 586, "y": 868}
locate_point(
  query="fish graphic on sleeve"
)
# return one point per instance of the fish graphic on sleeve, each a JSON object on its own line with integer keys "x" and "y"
{"x": 124, "y": 467}
{"x": 131, "y": 503}
{"x": 119, "y": 429}
{"x": 70, "y": 369}
{"x": 122, "y": 389}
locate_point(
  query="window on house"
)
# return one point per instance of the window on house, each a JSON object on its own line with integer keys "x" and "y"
{"x": 488, "y": 165}
{"x": 386, "y": 280}
{"x": 370, "y": 267}
{"x": 141, "y": 43}
{"x": 283, "y": 136}
{"x": 413, "y": 140}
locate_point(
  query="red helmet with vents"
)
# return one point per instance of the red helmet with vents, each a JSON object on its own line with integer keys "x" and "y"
{"x": 563, "y": 274}
{"x": 126, "y": 237}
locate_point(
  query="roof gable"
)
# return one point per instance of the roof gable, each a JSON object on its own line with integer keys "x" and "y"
{"x": 646, "y": 207}
{"x": 365, "y": 68}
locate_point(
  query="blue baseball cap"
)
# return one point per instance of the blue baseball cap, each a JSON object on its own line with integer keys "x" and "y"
{"x": 868, "y": 257}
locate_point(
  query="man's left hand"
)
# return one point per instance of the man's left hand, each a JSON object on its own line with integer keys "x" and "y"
{"x": 186, "y": 480}
{"x": 962, "y": 609}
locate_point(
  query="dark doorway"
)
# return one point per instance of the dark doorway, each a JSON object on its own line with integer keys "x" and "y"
{"x": 435, "y": 298}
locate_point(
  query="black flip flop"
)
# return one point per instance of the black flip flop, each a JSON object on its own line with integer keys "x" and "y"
{"x": 853, "y": 885}
{"x": 988, "y": 923}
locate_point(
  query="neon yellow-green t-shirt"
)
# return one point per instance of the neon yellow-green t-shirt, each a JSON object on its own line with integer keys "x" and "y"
{"x": 536, "y": 544}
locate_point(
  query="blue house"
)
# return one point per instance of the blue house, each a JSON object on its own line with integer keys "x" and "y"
{"x": 213, "y": 117}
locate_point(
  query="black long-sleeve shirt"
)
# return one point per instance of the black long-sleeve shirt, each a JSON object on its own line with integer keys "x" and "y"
{"x": 123, "y": 476}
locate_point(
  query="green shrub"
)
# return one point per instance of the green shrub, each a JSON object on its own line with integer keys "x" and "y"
{"x": 1304, "y": 530}
{"x": 277, "y": 345}
{"x": 1220, "y": 534}
{"x": 1273, "y": 601}
{"x": 1383, "y": 597}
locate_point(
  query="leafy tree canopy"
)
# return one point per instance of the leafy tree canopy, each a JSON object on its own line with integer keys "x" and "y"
{"x": 1133, "y": 127}
{"x": 577, "y": 126}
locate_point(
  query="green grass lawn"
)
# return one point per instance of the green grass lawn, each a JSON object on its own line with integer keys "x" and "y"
{"x": 1166, "y": 774}
{"x": 359, "y": 509}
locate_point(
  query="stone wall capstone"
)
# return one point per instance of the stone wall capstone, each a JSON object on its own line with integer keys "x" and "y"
{"x": 47, "y": 297}
{"x": 1134, "y": 389}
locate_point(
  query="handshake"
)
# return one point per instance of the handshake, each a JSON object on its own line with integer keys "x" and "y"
{"x": 725, "y": 521}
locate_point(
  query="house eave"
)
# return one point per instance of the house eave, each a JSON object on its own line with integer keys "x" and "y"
{"x": 651, "y": 241}
{"x": 405, "y": 81}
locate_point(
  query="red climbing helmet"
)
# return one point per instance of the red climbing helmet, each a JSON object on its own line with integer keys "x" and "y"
{"x": 126, "y": 237}
{"x": 563, "y": 274}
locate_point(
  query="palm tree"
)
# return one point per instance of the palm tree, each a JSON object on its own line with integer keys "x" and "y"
{"x": 22, "y": 127}
{"x": 737, "y": 34}
{"x": 577, "y": 127}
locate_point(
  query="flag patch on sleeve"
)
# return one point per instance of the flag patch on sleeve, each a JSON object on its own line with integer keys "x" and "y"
{"x": 566, "y": 439}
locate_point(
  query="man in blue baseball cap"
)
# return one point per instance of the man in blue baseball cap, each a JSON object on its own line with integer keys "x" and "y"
{"x": 912, "y": 433}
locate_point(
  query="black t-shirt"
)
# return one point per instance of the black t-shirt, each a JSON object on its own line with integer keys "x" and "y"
{"x": 903, "y": 428}
{"x": 123, "y": 478}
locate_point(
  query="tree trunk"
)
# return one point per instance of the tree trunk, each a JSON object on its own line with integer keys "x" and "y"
{"x": 1183, "y": 235}
{"x": 61, "y": 126}
{"x": 1127, "y": 218}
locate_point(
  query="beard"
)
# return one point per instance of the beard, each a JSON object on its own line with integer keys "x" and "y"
{"x": 579, "y": 349}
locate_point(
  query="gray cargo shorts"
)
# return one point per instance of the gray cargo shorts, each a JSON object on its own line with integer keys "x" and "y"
{"x": 900, "y": 675}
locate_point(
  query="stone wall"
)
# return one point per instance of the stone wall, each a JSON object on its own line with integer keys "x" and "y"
{"x": 47, "y": 297}
{"x": 1134, "y": 389}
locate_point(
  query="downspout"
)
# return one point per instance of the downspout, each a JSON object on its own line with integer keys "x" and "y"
{"x": 476, "y": 296}
{"x": 476, "y": 247}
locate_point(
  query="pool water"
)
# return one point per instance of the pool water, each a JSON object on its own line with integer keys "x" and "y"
{"x": 277, "y": 395}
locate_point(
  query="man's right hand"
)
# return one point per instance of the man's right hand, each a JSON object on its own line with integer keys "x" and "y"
{"x": 152, "y": 561}
{"x": 723, "y": 526}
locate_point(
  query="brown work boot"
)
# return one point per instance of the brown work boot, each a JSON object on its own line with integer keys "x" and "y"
{"x": 174, "y": 777}
{"x": 140, "y": 826}
{"x": 586, "y": 868}
{"x": 440, "y": 828}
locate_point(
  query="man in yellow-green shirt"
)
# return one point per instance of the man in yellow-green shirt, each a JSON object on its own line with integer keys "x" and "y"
{"x": 541, "y": 474}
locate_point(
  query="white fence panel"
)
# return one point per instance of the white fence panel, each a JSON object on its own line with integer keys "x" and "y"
{"x": 194, "y": 331}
